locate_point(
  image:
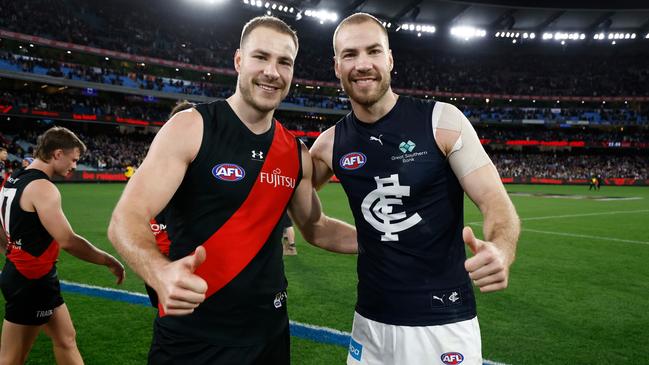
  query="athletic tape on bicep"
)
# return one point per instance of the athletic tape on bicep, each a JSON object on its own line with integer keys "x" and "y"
{"x": 467, "y": 153}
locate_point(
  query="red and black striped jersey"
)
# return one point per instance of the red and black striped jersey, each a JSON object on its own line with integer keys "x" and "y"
{"x": 231, "y": 201}
{"x": 31, "y": 249}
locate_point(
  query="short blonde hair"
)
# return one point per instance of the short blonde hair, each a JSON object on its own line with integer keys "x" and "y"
{"x": 360, "y": 18}
{"x": 271, "y": 22}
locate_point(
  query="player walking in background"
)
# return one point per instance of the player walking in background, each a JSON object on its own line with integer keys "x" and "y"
{"x": 288, "y": 236}
{"x": 33, "y": 229}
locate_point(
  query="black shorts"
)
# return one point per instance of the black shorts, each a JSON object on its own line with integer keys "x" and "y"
{"x": 29, "y": 302}
{"x": 164, "y": 351}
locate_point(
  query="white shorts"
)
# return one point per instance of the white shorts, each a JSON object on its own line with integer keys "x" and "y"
{"x": 375, "y": 343}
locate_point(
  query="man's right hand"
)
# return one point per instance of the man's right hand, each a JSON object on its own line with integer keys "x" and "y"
{"x": 179, "y": 290}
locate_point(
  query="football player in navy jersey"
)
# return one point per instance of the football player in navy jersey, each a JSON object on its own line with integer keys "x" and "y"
{"x": 405, "y": 165}
{"x": 226, "y": 171}
{"x": 33, "y": 229}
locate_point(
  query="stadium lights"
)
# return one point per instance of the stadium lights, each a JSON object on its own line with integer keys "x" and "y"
{"x": 614, "y": 36}
{"x": 322, "y": 15}
{"x": 523, "y": 35}
{"x": 467, "y": 33}
{"x": 563, "y": 36}
{"x": 269, "y": 5}
{"x": 419, "y": 28}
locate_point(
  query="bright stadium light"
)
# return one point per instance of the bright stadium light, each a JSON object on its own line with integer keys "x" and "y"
{"x": 418, "y": 28}
{"x": 322, "y": 15}
{"x": 467, "y": 32}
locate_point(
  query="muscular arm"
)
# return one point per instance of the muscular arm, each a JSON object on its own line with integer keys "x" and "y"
{"x": 318, "y": 229}
{"x": 322, "y": 154}
{"x": 43, "y": 197}
{"x": 489, "y": 267}
{"x": 145, "y": 195}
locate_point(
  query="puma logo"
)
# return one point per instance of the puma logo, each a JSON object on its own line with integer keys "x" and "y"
{"x": 372, "y": 138}
{"x": 440, "y": 299}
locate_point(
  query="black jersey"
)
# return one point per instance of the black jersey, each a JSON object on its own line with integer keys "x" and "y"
{"x": 31, "y": 249}
{"x": 408, "y": 208}
{"x": 231, "y": 201}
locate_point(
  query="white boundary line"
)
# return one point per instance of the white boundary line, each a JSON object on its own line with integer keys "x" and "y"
{"x": 575, "y": 234}
{"x": 585, "y": 236}
{"x": 575, "y": 215}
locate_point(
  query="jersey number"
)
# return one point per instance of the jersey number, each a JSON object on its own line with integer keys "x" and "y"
{"x": 7, "y": 196}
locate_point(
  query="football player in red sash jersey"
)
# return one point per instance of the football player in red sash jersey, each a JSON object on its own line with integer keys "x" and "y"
{"x": 33, "y": 229}
{"x": 228, "y": 171}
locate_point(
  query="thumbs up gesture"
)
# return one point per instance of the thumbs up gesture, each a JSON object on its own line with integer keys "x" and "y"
{"x": 489, "y": 266}
{"x": 179, "y": 290}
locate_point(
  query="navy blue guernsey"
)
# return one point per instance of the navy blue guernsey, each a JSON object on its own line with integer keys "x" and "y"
{"x": 251, "y": 308}
{"x": 408, "y": 209}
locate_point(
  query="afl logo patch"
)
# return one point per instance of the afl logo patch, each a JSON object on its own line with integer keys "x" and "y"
{"x": 452, "y": 358}
{"x": 228, "y": 172}
{"x": 353, "y": 161}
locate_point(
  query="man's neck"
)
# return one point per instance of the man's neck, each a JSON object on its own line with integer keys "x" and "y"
{"x": 257, "y": 122}
{"x": 370, "y": 114}
{"x": 46, "y": 167}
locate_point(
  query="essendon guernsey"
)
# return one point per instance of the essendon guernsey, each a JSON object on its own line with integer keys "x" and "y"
{"x": 231, "y": 201}
{"x": 31, "y": 249}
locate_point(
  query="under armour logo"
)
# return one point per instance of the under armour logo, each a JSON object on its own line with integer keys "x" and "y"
{"x": 377, "y": 208}
{"x": 258, "y": 155}
{"x": 372, "y": 138}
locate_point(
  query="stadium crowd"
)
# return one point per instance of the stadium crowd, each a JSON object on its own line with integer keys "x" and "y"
{"x": 116, "y": 150}
{"x": 202, "y": 42}
{"x": 567, "y": 166}
{"x": 137, "y": 107}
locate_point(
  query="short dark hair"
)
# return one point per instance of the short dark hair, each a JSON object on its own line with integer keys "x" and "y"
{"x": 359, "y": 18}
{"x": 271, "y": 22}
{"x": 56, "y": 138}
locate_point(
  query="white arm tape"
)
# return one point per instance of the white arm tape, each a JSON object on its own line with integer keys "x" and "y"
{"x": 467, "y": 153}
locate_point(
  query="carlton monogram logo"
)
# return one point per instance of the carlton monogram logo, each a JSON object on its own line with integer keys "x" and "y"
{"x": 378, "y": 207}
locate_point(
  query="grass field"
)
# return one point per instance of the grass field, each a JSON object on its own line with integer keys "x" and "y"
{"x": 579, "y": 290}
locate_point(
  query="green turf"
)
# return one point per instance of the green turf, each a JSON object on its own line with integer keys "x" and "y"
{"x": 577, "y": 295}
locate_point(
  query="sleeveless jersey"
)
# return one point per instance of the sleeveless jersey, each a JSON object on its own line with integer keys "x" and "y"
{"x": 159, "y": 228}
{"x": 31, "y": 251}
{"x": 408, "y": 209}
{"x": 231, "y": 201}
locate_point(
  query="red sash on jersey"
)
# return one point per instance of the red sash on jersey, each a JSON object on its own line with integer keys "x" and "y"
{"x": 161, "y": 236}
{"x": 237, "y": 242}
{"x": 34, "y": 267}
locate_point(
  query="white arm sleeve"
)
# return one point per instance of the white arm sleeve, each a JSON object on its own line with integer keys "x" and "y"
{"x": 467, "y": 153}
